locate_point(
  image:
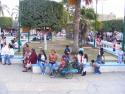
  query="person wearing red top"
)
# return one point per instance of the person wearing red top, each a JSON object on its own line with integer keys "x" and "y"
{"x": 52, "y": 61}
{"x": 33, "y": 57}
{"x": 63, "y": 62}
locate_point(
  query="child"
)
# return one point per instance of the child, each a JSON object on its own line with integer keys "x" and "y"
{"x": 96, "y": 67}
{"x": 85, "y": 60}
{"x": 67, "y": 50}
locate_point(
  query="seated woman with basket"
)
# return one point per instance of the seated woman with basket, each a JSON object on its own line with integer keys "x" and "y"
{"x": 30, "y": 58}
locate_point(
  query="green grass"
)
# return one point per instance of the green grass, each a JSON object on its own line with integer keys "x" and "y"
{"x": 59, "y": 46}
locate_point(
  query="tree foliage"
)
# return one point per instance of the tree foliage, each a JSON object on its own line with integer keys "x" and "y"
{"x": 88, "y": 13}
{"x": 5, "y": 22}
{"x": 37, "y": 14}
{"x": 87, "y": 18}
{"x": 111, "y": 25}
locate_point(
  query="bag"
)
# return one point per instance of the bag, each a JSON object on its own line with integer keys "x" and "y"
{"x": 28, "y": 65}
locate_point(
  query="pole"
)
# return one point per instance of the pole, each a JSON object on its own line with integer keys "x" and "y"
{"x": 19, "y": 29}
{"x": 95, "y": 23}
{"x": 123, "y": 41}
{"x": 29, "y": 36}
{"x": 45, "y": 42}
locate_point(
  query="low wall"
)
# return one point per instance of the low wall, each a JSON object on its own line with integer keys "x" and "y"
{"x": 111, "y": 67}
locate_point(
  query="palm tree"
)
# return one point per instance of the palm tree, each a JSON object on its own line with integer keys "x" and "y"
{"x": 86, "y": 20}
{"x": 76, "y": 23}
{"x": 2, "y": 8}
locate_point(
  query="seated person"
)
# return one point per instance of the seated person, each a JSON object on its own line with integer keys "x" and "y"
{"x": 52, "y": 61}
{"x": 75, "y": 64}
{"x": 96, "y": 67}
{"x": 64, "y": 62}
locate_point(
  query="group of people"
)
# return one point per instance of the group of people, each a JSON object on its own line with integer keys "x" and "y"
{"x": 31, "y": 57}
{"x": 7, "y": 49}
{"x": 7, "y": 53}
{"x": 78, "y": 61}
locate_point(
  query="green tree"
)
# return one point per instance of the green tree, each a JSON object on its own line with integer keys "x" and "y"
{"x": 111, "y": 25}
{"x": 87, "y": 17}
{"x": 77, "y": 23}
{"x": 37, "y": 14}
{"x": 5, "y": 22}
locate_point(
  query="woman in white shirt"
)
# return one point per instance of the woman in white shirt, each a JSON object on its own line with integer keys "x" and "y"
{"x": 80, "y": 59}
{"x": 84, "y": 64}
{"x": 5, "y": 55}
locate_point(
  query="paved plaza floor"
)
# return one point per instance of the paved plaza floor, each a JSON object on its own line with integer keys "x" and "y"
{"x": 14, "y": 81}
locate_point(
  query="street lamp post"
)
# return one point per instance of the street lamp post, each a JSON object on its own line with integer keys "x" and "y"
{"x": 123, "y": 41}
{"x": 29, "y": 36}
{"x": 19, "y": 29}
{"x": 95, "y": 23}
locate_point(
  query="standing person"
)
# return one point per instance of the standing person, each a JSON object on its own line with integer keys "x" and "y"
{"x": 80, "y": 59}
{"x": 42, "y": 59}
{"x": 85, "y": 60}
{"x": 101, "y": 53}
{"x": 52, "y": 61}
{"x": 11, "y": 52}
{"x": 114, "y": 45}
{"x": 5, "y": 53}
{"x": 67, "y": 50}
{"x": 119, "y": 56}
{"x": 98, "y": 41}
{"x": 81, "y": 49}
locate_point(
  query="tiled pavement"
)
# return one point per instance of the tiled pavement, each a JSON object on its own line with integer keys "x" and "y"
{"x": 14, "y": 81}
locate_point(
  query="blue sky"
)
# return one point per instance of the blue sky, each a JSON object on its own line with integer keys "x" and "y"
{"x": 109, "y": 6}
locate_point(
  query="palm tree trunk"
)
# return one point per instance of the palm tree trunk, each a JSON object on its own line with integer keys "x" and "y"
{"x": 76, "y": 26}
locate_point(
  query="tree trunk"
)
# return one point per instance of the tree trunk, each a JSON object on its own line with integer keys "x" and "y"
{"x": 76, "y": 26}
{"x": 84, "y": 34}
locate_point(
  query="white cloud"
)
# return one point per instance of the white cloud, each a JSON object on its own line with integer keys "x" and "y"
{"x": 111, "y": 6}
{"x": 114, "y": 6}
